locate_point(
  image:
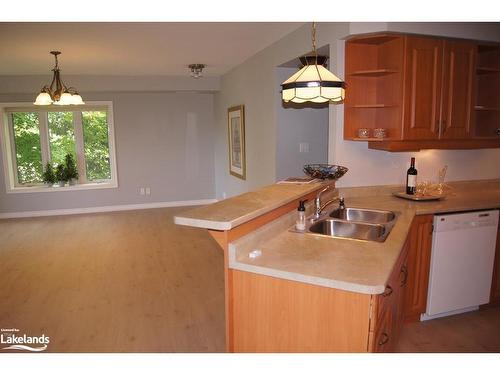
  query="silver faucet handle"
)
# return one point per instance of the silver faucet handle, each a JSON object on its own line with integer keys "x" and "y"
{"x": 341, "y": 203}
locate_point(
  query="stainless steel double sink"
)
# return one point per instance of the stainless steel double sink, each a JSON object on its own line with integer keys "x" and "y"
{"x": 353, "y": 223}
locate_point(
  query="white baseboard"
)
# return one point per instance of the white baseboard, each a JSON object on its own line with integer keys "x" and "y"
{"x": 88, "y": 210}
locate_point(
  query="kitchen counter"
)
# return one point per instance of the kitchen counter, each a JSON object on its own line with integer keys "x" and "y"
{"x": 346, "y": 264}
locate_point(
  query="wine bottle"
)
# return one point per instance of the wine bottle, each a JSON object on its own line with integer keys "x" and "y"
{"x": 411, "y": 178}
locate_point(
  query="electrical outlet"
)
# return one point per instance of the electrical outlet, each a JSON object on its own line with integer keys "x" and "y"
{"x": 148, "y": 191}
{"x": 303, "y": 147}
{"x": 142, "y": 191}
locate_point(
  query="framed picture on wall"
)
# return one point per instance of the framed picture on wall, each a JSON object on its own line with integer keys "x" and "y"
{"x": 236, "y": 134}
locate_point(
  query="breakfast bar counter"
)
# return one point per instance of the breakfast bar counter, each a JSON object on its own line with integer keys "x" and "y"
{"x": 278, "y": 279}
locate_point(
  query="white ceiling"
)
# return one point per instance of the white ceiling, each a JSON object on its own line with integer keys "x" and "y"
{"x": 133, "y": 48}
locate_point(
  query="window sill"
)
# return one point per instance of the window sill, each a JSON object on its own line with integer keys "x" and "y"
{"x": 47, "y": 189}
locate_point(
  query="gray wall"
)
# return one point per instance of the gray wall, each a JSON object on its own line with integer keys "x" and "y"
{"x": 97, "y": 83}
{"x": 295, "y": 126}
{"x": 163, "y": 141}
{"x": 253, "y": 83}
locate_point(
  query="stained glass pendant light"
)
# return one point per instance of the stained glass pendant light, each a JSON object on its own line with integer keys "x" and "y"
{"x": 313, "y": 83}
{"x": 57, "y": 92}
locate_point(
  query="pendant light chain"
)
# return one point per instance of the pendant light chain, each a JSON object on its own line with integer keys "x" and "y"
{"x": 313, "y": 32}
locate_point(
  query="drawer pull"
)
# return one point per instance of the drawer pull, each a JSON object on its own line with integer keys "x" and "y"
{"x": 404, "y": 272}
{"x": 384, "y": 338}
{"x": 388, "y": 291}
{"x": 497, "y": 131}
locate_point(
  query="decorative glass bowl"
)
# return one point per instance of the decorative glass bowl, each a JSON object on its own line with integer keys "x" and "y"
{"x": 325, "y": 171}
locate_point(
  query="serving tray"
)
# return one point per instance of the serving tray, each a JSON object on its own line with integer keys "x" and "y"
{"x": 419, "y": 197}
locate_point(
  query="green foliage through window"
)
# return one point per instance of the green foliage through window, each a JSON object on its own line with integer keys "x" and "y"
{"x": 27, "y": 146}
{"x": 61, "y": 136}
{"x": 96, "y": 145}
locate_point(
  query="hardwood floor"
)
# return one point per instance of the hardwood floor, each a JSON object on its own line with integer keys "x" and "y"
{"x": 113, "y": 282}
{"x": 134, "y": 282}
{"x": 473, "y": 332}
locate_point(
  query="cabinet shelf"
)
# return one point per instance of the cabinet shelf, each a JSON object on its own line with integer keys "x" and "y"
{"x": 485, "y": 70}
{"x": 485, "y": 108}
{"x": 373, "y": 72}
{"x": 380, "y": 105}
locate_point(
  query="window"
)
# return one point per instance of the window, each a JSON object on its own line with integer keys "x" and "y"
{"x": 34, "y": 136}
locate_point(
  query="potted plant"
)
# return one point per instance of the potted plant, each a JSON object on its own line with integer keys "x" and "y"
{"x": 61, "y": 174}
{"x": 49, "y": 177}
{"x": 71, "y": 170}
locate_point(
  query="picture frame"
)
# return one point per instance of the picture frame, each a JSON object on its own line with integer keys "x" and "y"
{"x": 236, "y": 141}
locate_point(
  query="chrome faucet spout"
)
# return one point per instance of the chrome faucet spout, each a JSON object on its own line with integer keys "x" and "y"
{"x": 318, "y": 207}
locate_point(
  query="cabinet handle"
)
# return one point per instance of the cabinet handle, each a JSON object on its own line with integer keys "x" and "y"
{"x": 388, "y": 291}
{"x": 384, "y": 338}
{"x": 497, "y": 131}
{"x": 404, "y": 271}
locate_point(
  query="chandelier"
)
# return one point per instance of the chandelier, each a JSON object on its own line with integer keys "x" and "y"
{"x": 57, "y": 92}
{"x": 313, "y": 82}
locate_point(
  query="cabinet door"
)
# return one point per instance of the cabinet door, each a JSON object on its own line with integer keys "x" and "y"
{"x": 458, "y": 81}
{"x": 423, "y": 83}
{"x": 384, "y": 341}
{"x": 495, "y": 285}
{"x": 419, "y": 257}
{"x": 404, "y": 276}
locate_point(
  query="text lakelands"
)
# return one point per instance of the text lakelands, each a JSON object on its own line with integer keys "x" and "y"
{"x": 13, "y": 339}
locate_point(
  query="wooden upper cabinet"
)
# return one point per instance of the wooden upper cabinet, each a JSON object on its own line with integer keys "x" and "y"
{"x": 423, "y": 85}
{"x": 427, "y": 92}
{"x": 458, "y": 82}
{"x": 486, "y": 118}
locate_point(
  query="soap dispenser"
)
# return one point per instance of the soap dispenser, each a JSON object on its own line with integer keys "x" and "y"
{"x": 300, "y": 224}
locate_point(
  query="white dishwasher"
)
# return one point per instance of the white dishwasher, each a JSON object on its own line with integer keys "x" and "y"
{"x": 462, "y": 257}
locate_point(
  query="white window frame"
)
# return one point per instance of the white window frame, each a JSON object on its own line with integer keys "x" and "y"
{"x": 8, "y": 148}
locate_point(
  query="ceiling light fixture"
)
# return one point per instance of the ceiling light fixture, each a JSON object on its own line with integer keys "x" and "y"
{"x": 57, "y": 92}
{"x": 313, "y": 83}
{"x": 196, "y": 70}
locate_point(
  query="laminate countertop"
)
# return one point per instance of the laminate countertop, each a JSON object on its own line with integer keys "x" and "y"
{"x": 352, "y": 265}
{"x": 231, "y": 212}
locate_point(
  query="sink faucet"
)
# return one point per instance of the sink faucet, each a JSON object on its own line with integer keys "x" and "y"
{"x": 318, "y": 207}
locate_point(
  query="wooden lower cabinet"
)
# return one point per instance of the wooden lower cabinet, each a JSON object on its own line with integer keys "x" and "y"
{"x": 419, "y": 257}
{"x": 275, "y": 315}
{"x": 495, "y": 285}
{"x": 389, "y": 308}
